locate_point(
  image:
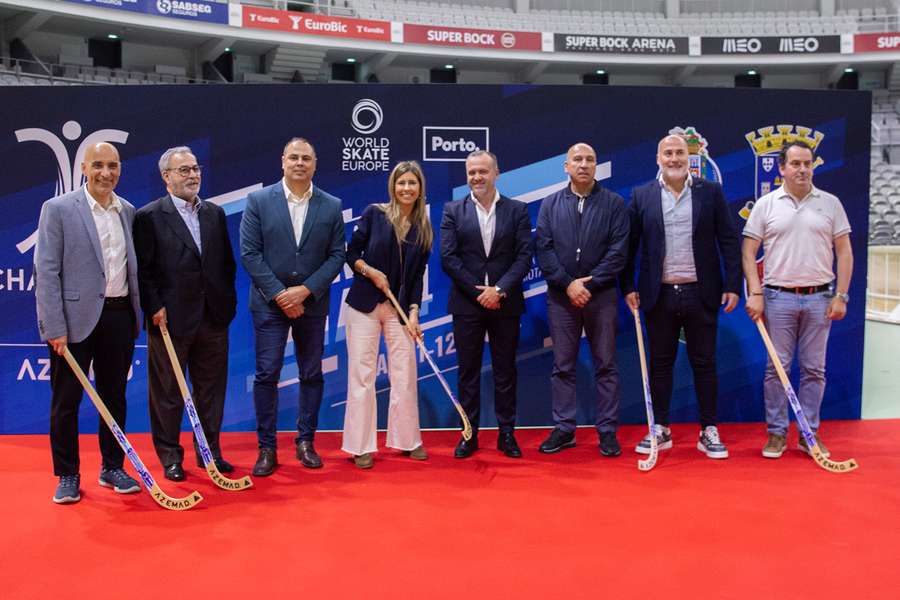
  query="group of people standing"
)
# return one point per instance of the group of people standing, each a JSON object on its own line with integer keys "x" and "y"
{"x": 99, "y": 263}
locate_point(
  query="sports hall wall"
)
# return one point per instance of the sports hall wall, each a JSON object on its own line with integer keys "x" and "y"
{"x": 359, "y": 132}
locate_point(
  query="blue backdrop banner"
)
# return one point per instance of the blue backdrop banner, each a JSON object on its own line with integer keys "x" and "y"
{"x": 238, "y": 132}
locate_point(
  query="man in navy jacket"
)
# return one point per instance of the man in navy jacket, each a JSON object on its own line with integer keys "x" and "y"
{"x": 292, "y": 246}
{"x": 486, "y": 251}
{"x": 685, "y": 233}
{"x": 582, "y": 245}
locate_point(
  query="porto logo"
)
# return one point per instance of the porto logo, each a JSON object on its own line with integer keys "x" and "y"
{"x": 164, "y": 6}
{"x": 453, "y": 144}
{"x": 366, "y": 152}
{"x": 367, "y": 116}
{"x": 766, "y": 143}
{"x": 700, "y": 164}
{"x": 68, "y": 171}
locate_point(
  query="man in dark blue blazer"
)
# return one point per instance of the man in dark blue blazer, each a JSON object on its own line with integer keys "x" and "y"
{"x": 292, "y": 246}
{"x": 486, "y": 251}
{"x": 582, "y": 244}
{"x": 686, "y": 236}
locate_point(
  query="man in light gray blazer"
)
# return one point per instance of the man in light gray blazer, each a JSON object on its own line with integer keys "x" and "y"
{"x": 86, "y": 291}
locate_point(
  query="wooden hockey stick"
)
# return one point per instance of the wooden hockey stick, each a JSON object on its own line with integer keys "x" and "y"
{"x": 650, "y": 462}
{"x": 802, "y": 424}
{"x": 161, "y": 498}
{"x": 209, "y": 462}
{"x": 467, "y": 427}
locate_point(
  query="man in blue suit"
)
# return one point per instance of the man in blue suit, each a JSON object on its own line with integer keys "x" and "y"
{"x": 86, "y": 291}
{"x": 686, "y": 235}
{"x": 486, "y": 251}
{"x": 292, "y": 246}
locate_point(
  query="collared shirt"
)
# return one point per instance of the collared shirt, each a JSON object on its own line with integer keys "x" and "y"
{"x": 797, "y": 236}
{"x": 298, "y": 206}
{"x": 112, "y": 244}
{"x": 678, "y": 222}
{"x": 487, "y": 223}
{"x": 190, "y": 214}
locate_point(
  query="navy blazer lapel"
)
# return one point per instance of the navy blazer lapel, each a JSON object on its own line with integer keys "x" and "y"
{"x": 696, "y": 203}
{"x": 312, "y": 209}
{"x": 654, "y": 207}
{"x": 501, "y": 217}
{"x": 470, "y": 212}
{"x": 176, "y": 223}
{"x": 282, "y": 214}
{"x": 84, "y": 209}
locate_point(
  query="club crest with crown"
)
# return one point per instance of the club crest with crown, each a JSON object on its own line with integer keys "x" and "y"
{"x": 699, "y": 162}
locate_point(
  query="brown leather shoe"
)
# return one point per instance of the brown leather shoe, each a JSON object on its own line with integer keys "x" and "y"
{"x": 364, "y": 461}
{"x": 418, "y": 453}
{"x": 265, "y": 463}
{"x": 308, "y": 456}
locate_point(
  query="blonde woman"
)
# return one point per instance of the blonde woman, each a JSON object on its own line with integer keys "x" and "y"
{"x": 388, "y": 251}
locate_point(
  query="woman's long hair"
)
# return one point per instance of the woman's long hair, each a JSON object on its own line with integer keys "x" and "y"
{"x": 419, "y": 214}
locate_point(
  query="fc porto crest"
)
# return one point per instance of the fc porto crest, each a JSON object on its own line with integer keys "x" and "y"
{"x": 766, "y": 143}
{"x": 699, "y": 162}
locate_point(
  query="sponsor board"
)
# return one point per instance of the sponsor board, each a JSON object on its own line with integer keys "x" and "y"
{"x": 194, "y": 10}
{"x": 311, "y": 24}
{"x": 471, "y": 38}
{"x": 453, "y": 144}
{"x": 876, "y": 42}
{"x": 619, "y": 44}
{"x": 808, "y": 44}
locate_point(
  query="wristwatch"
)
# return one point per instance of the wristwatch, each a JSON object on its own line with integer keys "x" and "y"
{"x": 498, "y": 290}
{"x": 843, "y": 296}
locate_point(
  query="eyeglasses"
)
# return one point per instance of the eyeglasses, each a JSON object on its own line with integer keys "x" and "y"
{"x": 186, "y": 170}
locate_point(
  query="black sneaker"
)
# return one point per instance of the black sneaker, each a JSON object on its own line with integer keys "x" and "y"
{"x": 557, "y": 440}
{"x": 609, "y": 445}
{"x": 119, "y": 480}
{"x": 67, "y": 490}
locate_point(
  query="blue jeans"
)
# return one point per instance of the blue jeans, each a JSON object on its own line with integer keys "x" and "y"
{"x": 796, "y": 322}
{"x": 271, "y": 329}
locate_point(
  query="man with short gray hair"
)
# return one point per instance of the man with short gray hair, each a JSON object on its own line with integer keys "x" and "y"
{"x": 186, "y": 270}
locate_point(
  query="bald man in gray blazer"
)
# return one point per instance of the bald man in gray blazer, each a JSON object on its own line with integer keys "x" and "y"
{"x": 86, "y": 291}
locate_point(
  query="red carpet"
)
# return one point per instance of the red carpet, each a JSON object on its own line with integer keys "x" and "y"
{"x": 571, "y": 525}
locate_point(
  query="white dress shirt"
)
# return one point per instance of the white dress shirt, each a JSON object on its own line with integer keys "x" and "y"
{"x": 298, "y": 206}
{"x": 487, "y": 222}
{"x": 112, "y": 244}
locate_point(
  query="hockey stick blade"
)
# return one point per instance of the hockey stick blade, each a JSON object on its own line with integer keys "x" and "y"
{"x": 159, "y": 496}
{"x": 467, "y": 426}
{"x": 650, "y": 461}
{"x": 232, "y": 485}
{"x": 833, "y": 466}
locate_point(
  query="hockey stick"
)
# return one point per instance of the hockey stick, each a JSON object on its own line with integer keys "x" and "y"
{"x": 161, "y": 498}
{"x": 209, "y": 462}
{"x": 650, "y": 462}
{"x": 802, "y": 424}
{"x": 467, "y": 427}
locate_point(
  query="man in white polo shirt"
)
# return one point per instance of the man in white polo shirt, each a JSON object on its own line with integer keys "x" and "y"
{"x": 801, "y": 229}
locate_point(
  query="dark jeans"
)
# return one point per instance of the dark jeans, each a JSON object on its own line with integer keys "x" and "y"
{"x": 503, "y": 335}
{"x": 205, "y": 356}
{"x": 271, "y": 327}
{"x": 111, "y": 346}
{"x": 598, "y": 320}
{"x": 680, "y": 306}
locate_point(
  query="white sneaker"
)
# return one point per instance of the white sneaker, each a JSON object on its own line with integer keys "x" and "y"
{"x": 663, "y": 440}
{"x": 710, "y": 444}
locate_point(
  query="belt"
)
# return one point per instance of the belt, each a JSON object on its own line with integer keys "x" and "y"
{"x": 117, "y": 301}
{"x": 803, "y": 291}
{"x": 680, "y": 286}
